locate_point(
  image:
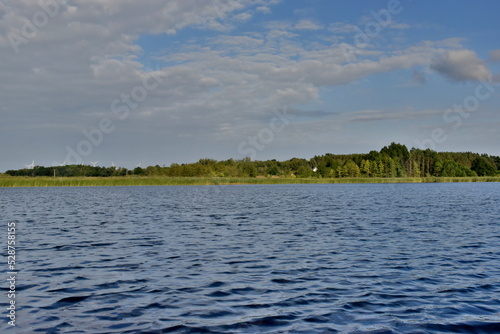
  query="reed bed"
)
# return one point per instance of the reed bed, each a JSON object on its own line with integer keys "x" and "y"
{"x": 9, "y": 181}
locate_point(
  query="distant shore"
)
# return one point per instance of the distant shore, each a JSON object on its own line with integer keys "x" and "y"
{"x": 8, "y": 181}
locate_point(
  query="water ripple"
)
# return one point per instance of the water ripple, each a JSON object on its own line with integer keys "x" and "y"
{"x": 258, "y": 259}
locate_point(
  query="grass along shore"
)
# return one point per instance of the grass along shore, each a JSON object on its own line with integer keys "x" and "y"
{"x": 14, "y": 181}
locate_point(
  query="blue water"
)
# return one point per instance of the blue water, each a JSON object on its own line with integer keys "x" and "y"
{"x": 403, "y": 258}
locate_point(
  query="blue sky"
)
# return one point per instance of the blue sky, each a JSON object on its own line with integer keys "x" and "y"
{"x": 158, "y": 82}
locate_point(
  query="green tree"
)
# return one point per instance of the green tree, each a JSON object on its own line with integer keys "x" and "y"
{"x": 352, "y": 170}
{"x": 375, "y": 169}
{"x": 381, "y": 169}
{"x": 341, "y": 171}
{"x": 372, "y": 156}
{"x": 391, "y": 170}
{"x": 416, "y": 169}
{"x": 366, "y": 168}
{"x": 249, "y": 169}
{"x": 138, "y": 171}
{"x": 483, "y": 167}
{"x": 396, "y": 150}
{"x": 451, "y": 168}
{"x": 273, "y": 169}
{"x": 304, "y": 171}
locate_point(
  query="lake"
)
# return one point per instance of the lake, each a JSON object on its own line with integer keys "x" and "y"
{"x": 331, "y": 258}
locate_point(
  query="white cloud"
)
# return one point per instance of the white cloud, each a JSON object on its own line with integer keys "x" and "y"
{"x": 343, "y": 28}
{"x": 264, "y": 10}
{"x": 88, "y": 62}
{"x": 461, "y": 65}
{"x": 400, "y": 26}
{"x": 384, "y": 115}
{"x": 307, "y": 25}
{"x": 495, "y": 55}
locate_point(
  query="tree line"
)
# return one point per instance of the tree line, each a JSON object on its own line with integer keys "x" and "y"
{"x": 394, "y": 160}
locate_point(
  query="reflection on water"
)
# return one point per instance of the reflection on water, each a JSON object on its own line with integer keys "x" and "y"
{"x": 414, "y": 258}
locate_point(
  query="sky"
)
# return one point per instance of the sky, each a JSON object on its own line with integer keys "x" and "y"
{"x": 159, "y": 82}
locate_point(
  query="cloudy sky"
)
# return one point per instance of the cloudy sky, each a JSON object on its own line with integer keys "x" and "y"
{"x": 164, "y": 81}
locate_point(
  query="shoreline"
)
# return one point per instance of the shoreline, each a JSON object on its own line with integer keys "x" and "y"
{"x": 9, "y": 182}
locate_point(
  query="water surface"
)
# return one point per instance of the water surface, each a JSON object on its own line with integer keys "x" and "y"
{"x": 347, "y": 258}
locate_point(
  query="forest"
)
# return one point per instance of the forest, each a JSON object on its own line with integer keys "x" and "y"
{"x": 392, "y": 161}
